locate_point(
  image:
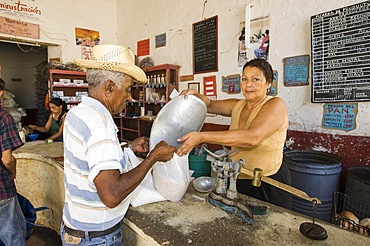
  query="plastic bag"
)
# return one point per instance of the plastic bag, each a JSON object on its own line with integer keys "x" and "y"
{"x": 145, "y": 193}
{"x": 172, "y": 178}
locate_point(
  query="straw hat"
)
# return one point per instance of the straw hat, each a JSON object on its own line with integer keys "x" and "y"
{"x": 114, "y": 58}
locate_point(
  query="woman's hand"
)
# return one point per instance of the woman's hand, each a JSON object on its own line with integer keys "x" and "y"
{"x": 33, "y": 127}
{"x": 190, "y": 140}
{"x": 188, "y": 92}
{"x": 140, "y": 144}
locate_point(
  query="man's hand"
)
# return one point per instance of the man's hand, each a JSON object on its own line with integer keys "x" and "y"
{"x": 161, "y": 152}
{"x": 140, "y": 144}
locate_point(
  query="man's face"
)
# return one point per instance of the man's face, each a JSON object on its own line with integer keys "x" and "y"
{"x": 121, "y": 95}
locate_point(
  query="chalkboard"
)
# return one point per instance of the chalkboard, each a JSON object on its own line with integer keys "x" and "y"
{"x": 205, "y": 45}
{"x": 340, "y": 48}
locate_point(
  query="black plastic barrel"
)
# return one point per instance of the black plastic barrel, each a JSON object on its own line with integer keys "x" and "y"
{"x": 316, "y": 173}
{"x": 358, "y": 188}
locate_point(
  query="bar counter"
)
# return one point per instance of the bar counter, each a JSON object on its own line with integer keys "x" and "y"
{"x": 192, "y": 221}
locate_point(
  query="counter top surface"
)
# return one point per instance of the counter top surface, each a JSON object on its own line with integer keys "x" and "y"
{"x": 53, "y": 150}
{"x": 193, "y": 221}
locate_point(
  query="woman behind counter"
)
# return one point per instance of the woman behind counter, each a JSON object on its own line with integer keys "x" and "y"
{"x": 55, "y": 122}
{"x": 257, "y": 131}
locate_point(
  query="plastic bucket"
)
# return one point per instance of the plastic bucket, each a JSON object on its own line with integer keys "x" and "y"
{"x": 316, "y": 173}
{"x": 29, "y": 213}
{"x": 199, "y": 165}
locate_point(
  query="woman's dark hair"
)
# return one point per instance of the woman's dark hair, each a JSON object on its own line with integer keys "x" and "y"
{"x": 2, "y": 84}
{"x": 58, "y": 102}
{"x": 263, "y": 65}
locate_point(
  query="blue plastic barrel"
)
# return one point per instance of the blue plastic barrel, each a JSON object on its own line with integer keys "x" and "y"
{"x": 316, "y": 173}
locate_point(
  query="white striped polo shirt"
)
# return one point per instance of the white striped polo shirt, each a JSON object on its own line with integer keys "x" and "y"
{"x": 90, "y": 145}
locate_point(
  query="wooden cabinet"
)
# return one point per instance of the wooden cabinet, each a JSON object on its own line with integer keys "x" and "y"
{"x": 67, "y": 85}
{"x": 148, "y": 100}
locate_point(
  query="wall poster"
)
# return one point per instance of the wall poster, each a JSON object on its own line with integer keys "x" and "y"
{"x": 259, "y": 40}
{"x": 340, "y": 116}
{"x": 86, "y": 37}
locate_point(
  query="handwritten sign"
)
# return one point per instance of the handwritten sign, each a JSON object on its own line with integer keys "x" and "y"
{"x": 205, "y": 47}
{"x": 143, "y": 47}
{"x": 25, "y": 9}
{"x": 340, "y": 116}
{"x": 340, "y": 54}
{"x": 296, "y": 70}
{"x": 19, "y": 28}
{"x": 231, "y": 84}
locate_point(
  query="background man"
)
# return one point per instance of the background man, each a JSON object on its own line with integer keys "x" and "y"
{"x": 12, "y": 221}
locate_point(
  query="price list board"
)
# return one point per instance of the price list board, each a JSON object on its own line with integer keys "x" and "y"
{"x": 340, "y": 54}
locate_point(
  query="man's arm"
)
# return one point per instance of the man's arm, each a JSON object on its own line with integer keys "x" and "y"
{"x": 10, "y": 162}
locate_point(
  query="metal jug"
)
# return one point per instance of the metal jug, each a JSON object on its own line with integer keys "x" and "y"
{"x": 177, "y": 118}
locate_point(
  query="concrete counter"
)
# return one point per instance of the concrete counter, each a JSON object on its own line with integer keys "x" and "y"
{"x": 192, "y": 221}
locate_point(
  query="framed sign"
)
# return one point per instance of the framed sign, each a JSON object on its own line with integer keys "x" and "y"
{"x": 194, "y": 86}
{"x": 205, "y": 45}
{"x": 209, "y": 85}
{"x": 143, "y": 47}
{"x": 296, "y": 70}
{"x": 340, "y": 47}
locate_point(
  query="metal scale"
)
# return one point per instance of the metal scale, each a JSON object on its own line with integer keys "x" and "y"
{"x": 226, "y": 197}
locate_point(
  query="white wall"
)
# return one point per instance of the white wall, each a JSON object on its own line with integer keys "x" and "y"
{"x": 58, "y": 20}
{"x": 57, "y": 23}
{"x": 290, "y": 36}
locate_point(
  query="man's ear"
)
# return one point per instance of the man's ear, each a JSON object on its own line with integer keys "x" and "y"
{"x": 1, "y": 93}
{"x": 109, "y": 87}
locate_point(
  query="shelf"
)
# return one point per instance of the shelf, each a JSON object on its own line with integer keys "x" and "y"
{"x": 70, "y": 86}
{"x": 66, "y": 72}
{"x": 70, "y": 92}
{"x": 131, "y": 128}
{"x": 161, "y": 67}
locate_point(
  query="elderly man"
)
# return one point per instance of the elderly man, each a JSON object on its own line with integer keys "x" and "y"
{"x": 97, "y": 181}
{"x": 12, "y": 221}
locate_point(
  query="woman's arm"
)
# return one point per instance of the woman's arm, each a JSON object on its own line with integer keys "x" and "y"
{"x": 45, "y": 128}
{"x": 269, "y": 119}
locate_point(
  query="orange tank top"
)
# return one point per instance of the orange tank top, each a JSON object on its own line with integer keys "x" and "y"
{"x": 268, "y": 155}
